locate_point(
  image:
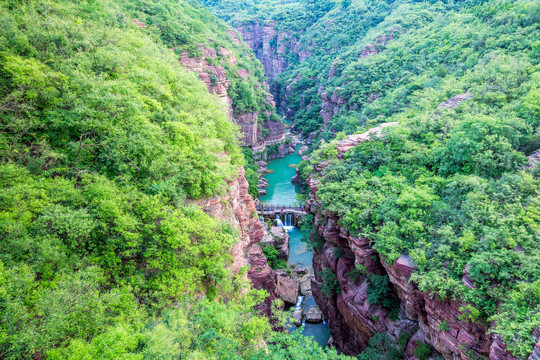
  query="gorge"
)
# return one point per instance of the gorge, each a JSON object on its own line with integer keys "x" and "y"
{"x": 333, "y": 96}
{"x": 269, "y": 179}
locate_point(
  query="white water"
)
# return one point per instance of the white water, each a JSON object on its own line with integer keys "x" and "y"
{"x": 299, "y": 302}
{"x": 288, "y": 224}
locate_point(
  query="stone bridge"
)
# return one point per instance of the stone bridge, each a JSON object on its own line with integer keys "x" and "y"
{"x": 271, "y": 210}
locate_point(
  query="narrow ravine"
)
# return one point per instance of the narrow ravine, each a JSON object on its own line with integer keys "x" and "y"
{"x": 281, "y": 191}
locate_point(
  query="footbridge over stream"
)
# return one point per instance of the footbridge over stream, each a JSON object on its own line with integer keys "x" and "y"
{"x": 288, "y": 214}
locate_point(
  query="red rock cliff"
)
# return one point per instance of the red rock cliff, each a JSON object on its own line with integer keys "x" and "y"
{"x": 353, "y": 319}
{"x": 237, "y": 207}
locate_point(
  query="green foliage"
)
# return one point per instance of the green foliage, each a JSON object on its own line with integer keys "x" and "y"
{"x": 271, "y": 254}
{"x": 447, "y": 186}
{"x": 251, "y": 173}
{"x": 107, "y": 145}
{"x": 378, "y": 288}
{"x": 422, "y": 351}
{"x": 330, "y": 284}
{"x": 382, "y": 347}
{"x": 109, "y": 108}
{"x": 443, "y": 326}
{"x": 356, "y": 273}
{"x": 296, "y": 346}
{"x": 380, "y": 292}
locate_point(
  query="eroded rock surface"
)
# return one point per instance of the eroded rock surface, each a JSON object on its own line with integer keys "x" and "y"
{"x": 271, "y": 46}
{"x": 288, "y": 289}
{"x": 237, "y": 207}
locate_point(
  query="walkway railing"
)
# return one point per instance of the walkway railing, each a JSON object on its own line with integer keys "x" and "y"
{"x": 273, "y": 207}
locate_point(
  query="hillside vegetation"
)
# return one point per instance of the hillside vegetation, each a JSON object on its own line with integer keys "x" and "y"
{"x": 106, "y": 142}
{"x": 449, "y": 185}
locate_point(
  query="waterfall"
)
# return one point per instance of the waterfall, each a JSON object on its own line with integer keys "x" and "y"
{"x": 261, "y": 219}
{"x": 289, "y": 220}
{"x": 299, "y": 302}
{"x": 278, "y": 221}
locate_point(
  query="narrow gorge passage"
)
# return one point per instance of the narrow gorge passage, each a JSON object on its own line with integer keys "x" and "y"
{"x": 281, "y": 191}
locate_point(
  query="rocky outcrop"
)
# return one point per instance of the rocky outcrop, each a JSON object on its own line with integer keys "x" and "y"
{"x": 216, "y": 79}
{"x": 455, "y": 101}
{"x": 237, "y": 207}
{"x": 351, "y": 317}
{"x": 281, "y": 241}
{"x": 375, "y": 48}
{"x": 287, "y": 289}
{"x": 331, "y": 105}
{"x": 271, "y": 45}
{"x": 352, "y": 140}
{"x": 533, "y": 159}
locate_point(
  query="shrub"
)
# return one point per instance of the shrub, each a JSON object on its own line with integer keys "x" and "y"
{"x": 271, "y": 254}
{"x": 330, "y": 284}
{"x": 423, "y": 351}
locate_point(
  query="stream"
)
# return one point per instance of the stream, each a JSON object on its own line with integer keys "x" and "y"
{"x": 281, "y": 191}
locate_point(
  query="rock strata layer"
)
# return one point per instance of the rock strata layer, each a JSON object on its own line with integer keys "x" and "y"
{"x": 237, "y": 207}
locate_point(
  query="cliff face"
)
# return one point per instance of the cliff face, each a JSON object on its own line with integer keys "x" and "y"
{"x": 237, "y": 207}
{"x": 215, "y": 78}
{"x": 255, "y": 135}
{"x": 353, "y": 319}
{"x": 424, "y": 317}
{"x": 331, "y": 105}
{"x": 271, "y": 46}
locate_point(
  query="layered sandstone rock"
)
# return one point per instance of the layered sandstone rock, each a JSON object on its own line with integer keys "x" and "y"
{"x": 353, "y": 319}
{"x": 237, "y": 207}
{"x": 215, "y": 78}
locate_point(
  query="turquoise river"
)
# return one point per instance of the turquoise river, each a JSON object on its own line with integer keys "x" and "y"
{"x": 281, "y": 191}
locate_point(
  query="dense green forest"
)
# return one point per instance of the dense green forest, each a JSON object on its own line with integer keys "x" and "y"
{"x": 106, "y": 143}
{"x": 450, "y": 185}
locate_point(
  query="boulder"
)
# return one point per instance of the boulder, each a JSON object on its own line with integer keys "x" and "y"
{"x": 297, "y": 317}
{"x": 287, "y": 289}
{"x": 305, "y": 285}
{"x": 296, "y": 179}
{"x": 314, "y": 316}
{"x": 282, "y": 241}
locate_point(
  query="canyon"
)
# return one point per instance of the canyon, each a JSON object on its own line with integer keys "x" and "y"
{"x": 217, "y": 80}
{"x": 416, "y": 317}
